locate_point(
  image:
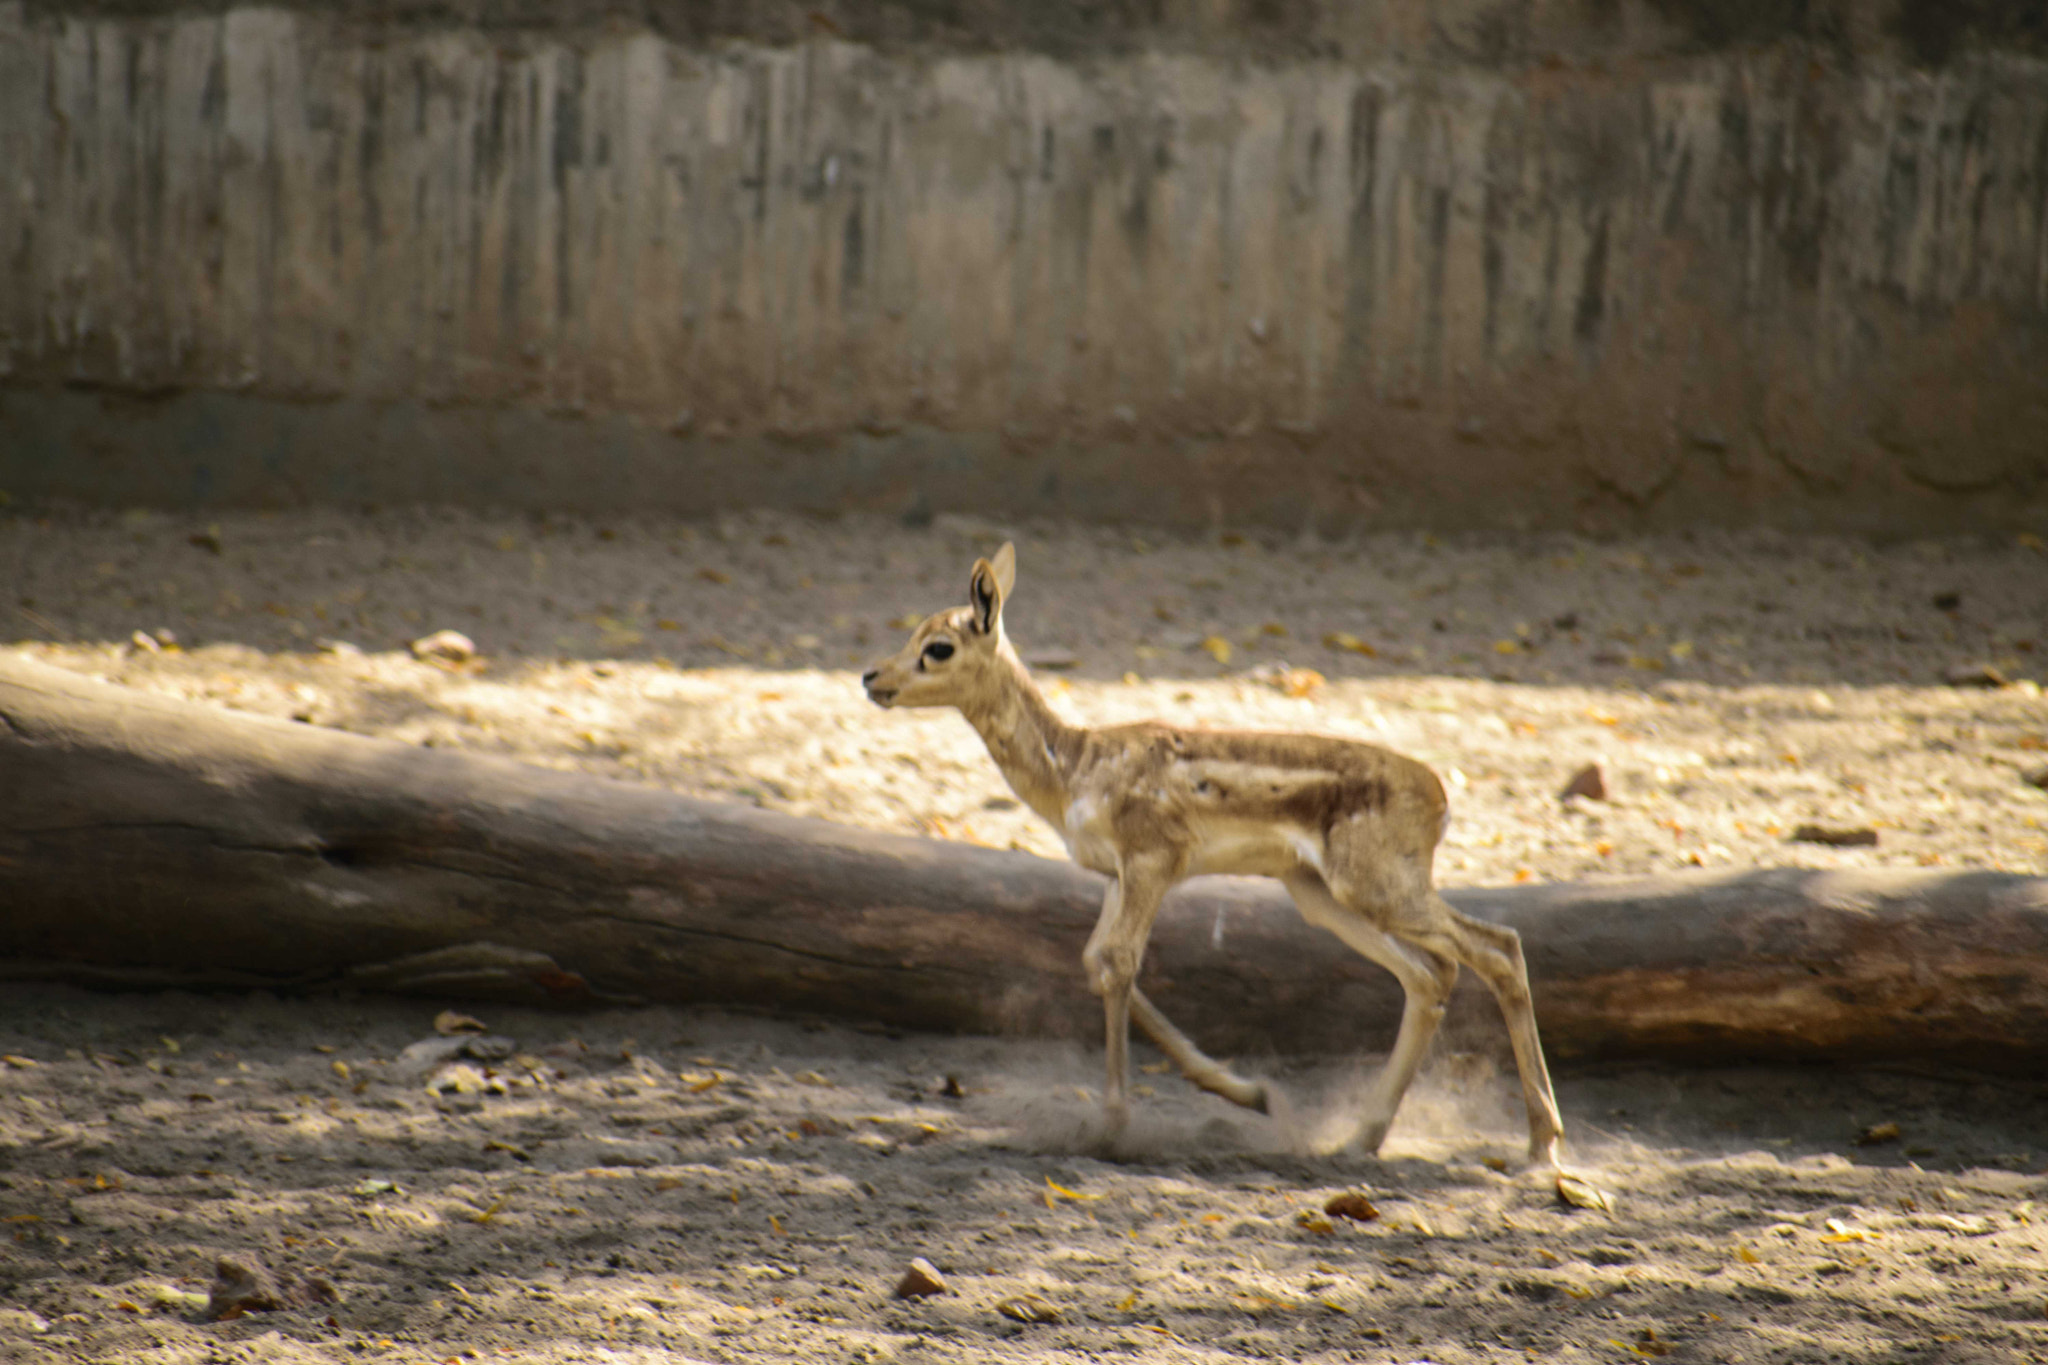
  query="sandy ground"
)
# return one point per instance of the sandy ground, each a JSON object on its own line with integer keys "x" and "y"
{"x": 660, "y": 1185}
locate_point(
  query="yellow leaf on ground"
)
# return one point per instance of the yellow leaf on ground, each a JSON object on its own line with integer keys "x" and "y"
{"x": 1344, "y": 640}
{"x": 1583, "y": 1194}
{"x": 1063, "y": 1192}
{"x": 1218, "y": 647}
{"x": 1031, "y": 1308}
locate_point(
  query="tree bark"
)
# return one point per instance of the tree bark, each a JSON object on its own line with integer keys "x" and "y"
{"x": 146, "y": 841}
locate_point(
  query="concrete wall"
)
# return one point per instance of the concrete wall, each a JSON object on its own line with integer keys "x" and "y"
{"x": 1641, "y": 276}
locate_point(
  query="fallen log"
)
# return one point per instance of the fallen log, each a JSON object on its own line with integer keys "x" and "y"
{"x": 146, "y": 841}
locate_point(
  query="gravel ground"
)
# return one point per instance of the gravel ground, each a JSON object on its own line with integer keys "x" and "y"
{"x": 663, "y": 1185}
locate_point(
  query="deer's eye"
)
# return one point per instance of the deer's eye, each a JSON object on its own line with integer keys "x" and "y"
{"x": 939, "y": 650}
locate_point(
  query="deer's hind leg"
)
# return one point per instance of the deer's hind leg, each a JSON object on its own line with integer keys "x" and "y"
{"x": 1494, "y": 952}
{"x": 1426, "y": 980}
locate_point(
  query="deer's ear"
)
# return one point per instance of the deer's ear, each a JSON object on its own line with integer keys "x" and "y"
{"x": 985, "y": 596}
{"x": 1005, "y": 565}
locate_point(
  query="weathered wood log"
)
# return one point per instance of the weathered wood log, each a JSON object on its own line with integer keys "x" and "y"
{"x": 148, "y": 841}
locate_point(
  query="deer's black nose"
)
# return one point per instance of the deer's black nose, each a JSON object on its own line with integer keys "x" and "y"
{"x": 868, "y": 678}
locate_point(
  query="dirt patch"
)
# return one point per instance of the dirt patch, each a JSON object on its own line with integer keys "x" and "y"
{"x": 1732, "y": 689}
{"x": 625, "y": 1186}
{"x": 653, "y": 1184}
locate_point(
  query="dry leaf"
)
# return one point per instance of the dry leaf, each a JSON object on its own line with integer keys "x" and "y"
{"x": 1582, "y": 1194}
{"x": 448, "y": 1023}
{"x": 1063, "y": 1192}
{"x": 1838, "y": 1231}
{"x": 1876, "y": 1133}
{"x": 1298, "y": 682}
{"x": 1030, "y": 1308}
{"x": 1646, "y": 1344}
{"x": 1316, "y": 1223}
{"x": 1353, "y": 1205}
{"x": 1218, "y": 648}
{"x": 1344, "y": 640}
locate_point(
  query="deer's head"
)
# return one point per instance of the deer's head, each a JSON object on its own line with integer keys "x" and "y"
{"x": 952, "y": 654}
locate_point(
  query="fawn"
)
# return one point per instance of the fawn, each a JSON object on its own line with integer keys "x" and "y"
{"x": 1348, "y": 828}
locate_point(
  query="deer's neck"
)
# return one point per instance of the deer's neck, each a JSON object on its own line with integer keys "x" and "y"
{"x": 1033, "y": 746}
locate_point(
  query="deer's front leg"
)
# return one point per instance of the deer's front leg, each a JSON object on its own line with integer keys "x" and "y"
{"x": 1111, "y": 960}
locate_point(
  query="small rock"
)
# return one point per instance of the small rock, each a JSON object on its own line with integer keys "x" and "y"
{"x": 460, "y": 1078}
{"x": 1589, "y": 782}
{"x": 245, "y": 1286}
{"x": 1975, "y": 675}
{"x": 486, "y": 1047}
{"x": 1877, "y": 1133}
{"x": 142, "y": 642}
{"x": 444, "y": 647}
{"x": 1864, "y": 837}
{"x": 921, "y": 1280}
{"x": 428, "y": 1053}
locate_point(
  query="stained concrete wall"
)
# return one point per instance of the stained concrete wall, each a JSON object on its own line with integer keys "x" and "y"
{"x": 1364, "y": 277}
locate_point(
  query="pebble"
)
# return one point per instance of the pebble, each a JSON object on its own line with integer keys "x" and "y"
{"x": 242, "y": 1285}
{"x": 1836, "y": 838}
{"x": 921, "y": 1280}
{"x": 444, "y": 647}
{"x": 1589, "y": 782}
